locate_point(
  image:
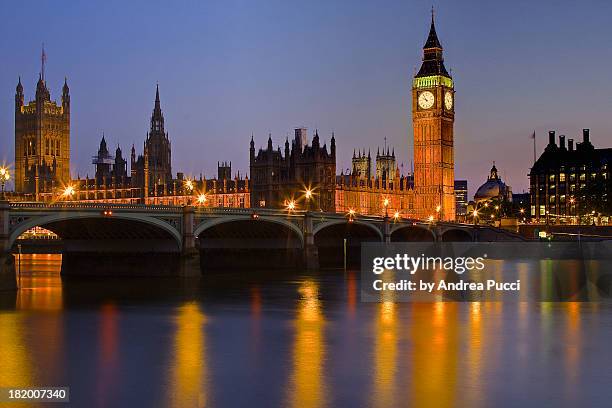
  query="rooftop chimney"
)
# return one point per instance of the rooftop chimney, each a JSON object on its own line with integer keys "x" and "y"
{"x": 570, "y": 145}
{"x": 562, "y": 141}
{"x": 551, "y": 137}
{"x": 585, "y": 135}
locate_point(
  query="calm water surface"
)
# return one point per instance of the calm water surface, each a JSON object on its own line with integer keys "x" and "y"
{"x": 293, "y": 339}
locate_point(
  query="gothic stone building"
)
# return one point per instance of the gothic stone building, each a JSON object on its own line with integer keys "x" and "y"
{"x": 42, "y": 140}
{"x": 278, "y": 178}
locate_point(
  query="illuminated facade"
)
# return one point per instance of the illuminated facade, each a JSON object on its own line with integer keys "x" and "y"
{"x": 433, "y": 116}
{"x": 368, "y": 196}
{"x": 277, "y": 179}
{"x": 150, "y": 179}
{"x": 42, "y": 140}
{"x": 571, "y": 183}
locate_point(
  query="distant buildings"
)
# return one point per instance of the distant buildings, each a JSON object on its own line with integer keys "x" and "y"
{"x": 278, "y": 178}
{"x": 301, "y": 174}
{"x": 493, "y": 190}
{"x": 365, "y": 193}
{"x": 571, "y": 183}
{"x": 461, "y": 198}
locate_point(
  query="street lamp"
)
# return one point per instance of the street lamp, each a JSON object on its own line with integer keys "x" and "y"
{"x": 351, "y": 215}
{"x": 291, "y": 205}
{"x": 5, "y": 175}
{"x": 68, "y": 192}
{"x": 396, "y": 216}
{"x": 308, "y": 196}
{"x": 386, "y": 205}
{"x": 475, "y": 216}
{"x": 202, "y": 199}
{"x": 430, "y": 218}
{"x": 438, "y": 209}
{"x": 189, "y": 185}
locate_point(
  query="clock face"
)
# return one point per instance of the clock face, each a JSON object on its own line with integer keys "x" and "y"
{"x": 426, "y": 100}
{"x": 448, "y": 100}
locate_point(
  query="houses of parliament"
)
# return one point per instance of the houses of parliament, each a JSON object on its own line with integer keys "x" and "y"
{"x": 278, "y": 176}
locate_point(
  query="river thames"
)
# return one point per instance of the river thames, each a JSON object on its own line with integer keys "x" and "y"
{"x": 293, "y": 339}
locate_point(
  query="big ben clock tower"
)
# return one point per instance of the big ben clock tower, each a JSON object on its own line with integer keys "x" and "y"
{"x": 433, "y": 115}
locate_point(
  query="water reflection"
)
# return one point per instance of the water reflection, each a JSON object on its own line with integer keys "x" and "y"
{"x": 39, "y": 282}
{"x": 108, "y": 359}
{"x": 189, "y": 386}
{"x": 307, "y": 388}
{"x": 434, "y": 334}
{"x": 385, "y": 353}
{"x": 263, "y": 341}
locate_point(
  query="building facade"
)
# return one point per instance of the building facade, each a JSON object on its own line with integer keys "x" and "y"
{"x": 461, "y": 198}
{"x": 42, "y": 140}
{"x": 279, "y": 177}
{"x": 433, "y": 116}
{"x": 571, "y": 184}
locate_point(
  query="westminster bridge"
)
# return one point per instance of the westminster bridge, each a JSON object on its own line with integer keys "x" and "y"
{"x": 250, "y": 235}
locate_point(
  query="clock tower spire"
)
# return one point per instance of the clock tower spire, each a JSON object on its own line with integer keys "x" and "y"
{"x": 433, "y": 117}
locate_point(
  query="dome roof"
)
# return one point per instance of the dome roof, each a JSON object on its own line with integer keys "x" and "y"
{"x": 492, "y": 189}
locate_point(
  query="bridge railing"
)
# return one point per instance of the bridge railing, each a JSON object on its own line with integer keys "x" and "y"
{"x": 25, "y": 205}
{"x": 80, "y": 205}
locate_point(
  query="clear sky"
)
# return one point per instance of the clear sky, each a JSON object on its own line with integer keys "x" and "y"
{"x": 227, "y": 69}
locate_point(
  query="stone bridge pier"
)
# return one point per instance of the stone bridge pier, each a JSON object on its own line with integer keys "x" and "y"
{"x": 190, "y": 253}
{"x": 8, "y": 279}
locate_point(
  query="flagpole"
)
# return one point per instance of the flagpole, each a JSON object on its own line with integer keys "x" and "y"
{"x": 534, "y": 147}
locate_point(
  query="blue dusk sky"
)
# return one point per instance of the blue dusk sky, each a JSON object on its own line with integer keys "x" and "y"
{"x": 227, "y": 69}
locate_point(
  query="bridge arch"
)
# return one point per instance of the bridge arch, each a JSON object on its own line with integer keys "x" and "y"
{"x": 338, "y": 241}
{"x": 456, "y": 235}
{"x": 241, "y": 241}
{"x": 149, "y": 225}
{"x": 208, "y": 224}
{"x": 321, "y": 226}
{"x": 414, "y": 232}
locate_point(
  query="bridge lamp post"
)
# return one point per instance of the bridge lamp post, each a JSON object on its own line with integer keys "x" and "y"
{"x": 438, "y": 209}
{"x": 430, "y": 218}
{"x": 308, "y": 196}
{"x": 291, "y": 206}
{"x": 386, "y": 205}
{"x": 351, "y": 215}
{"x": 202, "y": 199}
{"x": 5, "y": 175}
{"x": 68, "y": 192}
{"x": 475, "y": 216}
{"x": 396, "y": 216}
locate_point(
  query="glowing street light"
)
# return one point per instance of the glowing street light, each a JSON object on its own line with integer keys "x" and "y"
{"x": 308, "y": 194}
{"x": 351, "y": 214}
{"x": 430, "y": 218}
{"x": 202, "y": 199}
{"x": 189, "y": 185}
{"x": 5, "y": 175}
{"x": 396, "y": 216}
{"x": 291, "y": 205}
{"x": 386, "y": 204}
{"x": 68, "y": 192}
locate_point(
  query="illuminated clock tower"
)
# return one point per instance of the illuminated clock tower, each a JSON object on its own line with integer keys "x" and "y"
{"x": 433, "y": 115}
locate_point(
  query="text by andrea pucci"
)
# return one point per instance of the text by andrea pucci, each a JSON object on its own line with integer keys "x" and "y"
{"x": 492, "y": 271}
